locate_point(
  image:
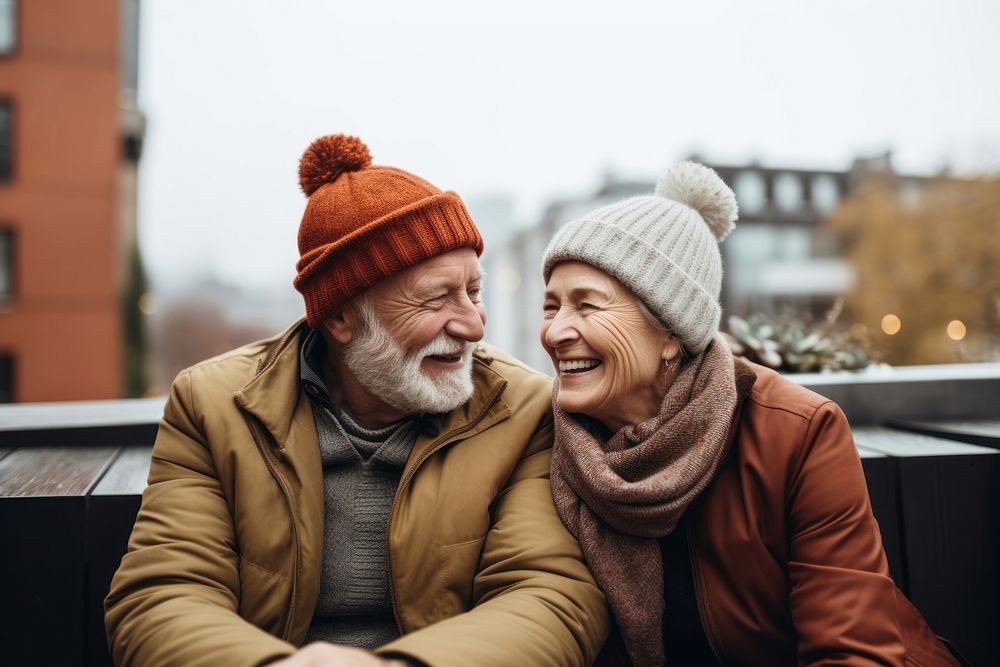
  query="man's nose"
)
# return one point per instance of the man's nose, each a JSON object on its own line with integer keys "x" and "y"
{"x": 468, "y": 322}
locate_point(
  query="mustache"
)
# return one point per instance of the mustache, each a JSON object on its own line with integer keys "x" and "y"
{"x": 445, "y": 345}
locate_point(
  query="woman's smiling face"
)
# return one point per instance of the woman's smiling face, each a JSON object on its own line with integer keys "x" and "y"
{"x": 608, "y": 357}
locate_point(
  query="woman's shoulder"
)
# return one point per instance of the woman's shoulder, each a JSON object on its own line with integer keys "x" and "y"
{"x": 777, "y": 395}
{"x": 782, "y": 425}
{"x": 779, "y": 418}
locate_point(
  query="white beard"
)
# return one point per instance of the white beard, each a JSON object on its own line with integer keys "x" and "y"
{"x": 387, "y": 371}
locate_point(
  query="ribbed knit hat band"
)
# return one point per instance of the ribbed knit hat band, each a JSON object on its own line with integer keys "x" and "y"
{"x": 364, "y": 223}
{"x": 665, "y": 248}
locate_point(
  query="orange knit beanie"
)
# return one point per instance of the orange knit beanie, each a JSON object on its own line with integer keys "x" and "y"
{"x": 364, "y": 223}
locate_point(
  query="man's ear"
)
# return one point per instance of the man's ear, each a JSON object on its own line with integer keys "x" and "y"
{"x": 342, "y": 325}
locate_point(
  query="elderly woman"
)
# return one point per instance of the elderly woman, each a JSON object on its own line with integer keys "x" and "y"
{"x": 721, "y": 507}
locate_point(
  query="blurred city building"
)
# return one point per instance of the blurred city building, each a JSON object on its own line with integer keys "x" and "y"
{"x": 781, "y": 255}
{"x": 205, "y": 316}
{"x": 70, "y": 139}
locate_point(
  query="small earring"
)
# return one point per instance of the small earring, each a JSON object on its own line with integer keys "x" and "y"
{"x": 666, "y": 363}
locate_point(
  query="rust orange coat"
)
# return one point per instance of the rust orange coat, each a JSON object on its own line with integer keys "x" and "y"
{"x": 787, "y": 556}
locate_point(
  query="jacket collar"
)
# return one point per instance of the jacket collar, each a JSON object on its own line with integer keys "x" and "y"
{"x": 485, "y": 408}
{"x": 275, "y": 397}
{"x": 745, "y": 380}
{"x": 275, "y": 391}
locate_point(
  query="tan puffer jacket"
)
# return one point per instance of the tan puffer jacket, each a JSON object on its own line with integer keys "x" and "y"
{"x": 224, "y": 562}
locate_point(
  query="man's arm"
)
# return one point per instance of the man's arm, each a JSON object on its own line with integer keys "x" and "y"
{"x": 536, "y": 602}
{"x": 175, "y": 597}
{"x": 842, "y": 599}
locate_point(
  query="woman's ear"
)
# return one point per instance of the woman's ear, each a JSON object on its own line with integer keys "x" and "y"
{"x": 343, "y": 324}
{"x": 671, "y": 349}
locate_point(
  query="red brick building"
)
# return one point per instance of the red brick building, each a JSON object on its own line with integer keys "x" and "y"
{"x": 69, "y": 143}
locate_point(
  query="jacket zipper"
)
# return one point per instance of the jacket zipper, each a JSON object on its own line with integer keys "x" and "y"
{"x": 445, "y": 440}
{"x": 261, "y": 441}
{"x": 709, "y": 635}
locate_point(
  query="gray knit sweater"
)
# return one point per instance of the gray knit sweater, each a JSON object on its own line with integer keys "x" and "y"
{"x": 361, "y": 471}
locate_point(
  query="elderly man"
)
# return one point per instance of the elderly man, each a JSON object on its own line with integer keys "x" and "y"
{"x": 370, "y": 482}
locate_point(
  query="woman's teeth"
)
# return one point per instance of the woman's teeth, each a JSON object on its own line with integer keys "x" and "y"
{"x": 578, "y": 365}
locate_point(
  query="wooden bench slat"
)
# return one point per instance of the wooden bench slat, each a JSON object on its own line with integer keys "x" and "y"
{"x": 52, "y": 471}
{"x": 127, "y": 475}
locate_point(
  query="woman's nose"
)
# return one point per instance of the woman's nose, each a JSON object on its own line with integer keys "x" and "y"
{"x": 558, "y": 331}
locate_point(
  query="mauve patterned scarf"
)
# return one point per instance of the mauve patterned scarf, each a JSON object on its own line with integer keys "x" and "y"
{"x": 618, "y": 497}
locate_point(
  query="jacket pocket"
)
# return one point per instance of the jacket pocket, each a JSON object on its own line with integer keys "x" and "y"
{"x": 263, "y": 597}
{"x": 458, "y": 565}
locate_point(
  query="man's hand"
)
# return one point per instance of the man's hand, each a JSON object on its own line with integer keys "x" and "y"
{"x": 323, "y": 654}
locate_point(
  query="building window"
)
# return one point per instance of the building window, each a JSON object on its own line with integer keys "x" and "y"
{"x": 6, "y": 378}
{"x": 6, "y": 140}
{"x": 131, "y": 148}
{"x": 824, "y": 193}
{"x": 788, "y": 192}
{"x": 6, "y": 266}
{"x": 8, "y": 26}
{"x": 751, "y": 192}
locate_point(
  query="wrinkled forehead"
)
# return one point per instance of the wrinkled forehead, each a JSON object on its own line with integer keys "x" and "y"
{"x": 573, "y": 279}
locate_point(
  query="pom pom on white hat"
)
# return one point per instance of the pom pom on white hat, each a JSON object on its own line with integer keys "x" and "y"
{"x": 703, "y": 190}
{"x": 664, "y": 247}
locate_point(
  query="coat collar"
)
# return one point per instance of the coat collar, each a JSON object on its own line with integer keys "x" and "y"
{"x": 745, "y": 380}
{"x": 483, "y": 410}
{"x": 274, "y": 392}
{"x": 275, "y": 397}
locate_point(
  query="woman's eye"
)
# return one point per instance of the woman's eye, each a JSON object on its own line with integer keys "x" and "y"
{"x": 550, "y": 308}
{"x": 587, "y": 306}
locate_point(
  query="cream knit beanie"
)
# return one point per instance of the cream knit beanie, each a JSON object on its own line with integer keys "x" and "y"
{"x": 665, "y": 248}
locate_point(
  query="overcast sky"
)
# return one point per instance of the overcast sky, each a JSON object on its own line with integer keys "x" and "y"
{"x": 533, "y": 100}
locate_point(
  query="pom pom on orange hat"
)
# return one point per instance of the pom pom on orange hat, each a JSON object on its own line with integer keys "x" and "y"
{"x": 364, "y": 223}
